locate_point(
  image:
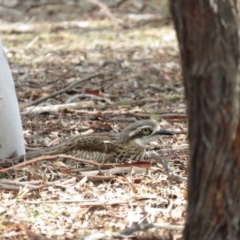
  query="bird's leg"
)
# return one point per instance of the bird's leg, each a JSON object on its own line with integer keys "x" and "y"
{"x": 164, "y": 163}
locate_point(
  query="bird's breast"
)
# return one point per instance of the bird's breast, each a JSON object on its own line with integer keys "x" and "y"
{"x": 127, "y": 152}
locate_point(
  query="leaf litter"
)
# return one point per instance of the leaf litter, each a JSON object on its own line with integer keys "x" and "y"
{"x": 130, "y": 62}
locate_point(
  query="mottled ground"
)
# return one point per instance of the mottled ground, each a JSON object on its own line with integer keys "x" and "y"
{"x": 129, "y": 54}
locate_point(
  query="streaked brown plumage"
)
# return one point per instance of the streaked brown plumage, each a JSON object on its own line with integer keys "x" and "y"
{"x": 129, "y": 144}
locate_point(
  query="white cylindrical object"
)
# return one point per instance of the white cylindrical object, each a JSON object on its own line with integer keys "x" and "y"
{"x": 11, "y": 133}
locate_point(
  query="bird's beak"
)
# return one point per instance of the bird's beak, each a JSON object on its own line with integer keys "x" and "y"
{"x": 164, "y": 132}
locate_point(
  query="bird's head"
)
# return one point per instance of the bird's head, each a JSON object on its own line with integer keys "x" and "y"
{"x": 143, "y": 132}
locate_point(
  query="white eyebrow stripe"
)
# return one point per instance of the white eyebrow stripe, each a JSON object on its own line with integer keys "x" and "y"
{"x": 133, "y": 132}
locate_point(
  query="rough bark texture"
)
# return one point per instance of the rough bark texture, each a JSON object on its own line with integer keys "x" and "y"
{"x": 207, "y": 32}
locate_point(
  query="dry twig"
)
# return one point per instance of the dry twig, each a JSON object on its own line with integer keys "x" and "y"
{"x": 57, "y": 108}
{"x": 70, "y": 86}
{"x": 45, "y": 158}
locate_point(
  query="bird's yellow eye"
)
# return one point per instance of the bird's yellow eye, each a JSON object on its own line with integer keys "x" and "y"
{"x": 146, "y": 131}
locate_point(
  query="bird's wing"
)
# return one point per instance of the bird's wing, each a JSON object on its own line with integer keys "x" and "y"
{"x": 93, "y": 143}
{"x": 99, "y": 143}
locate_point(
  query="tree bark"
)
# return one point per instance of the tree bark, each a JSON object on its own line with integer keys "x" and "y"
{"x": 208, "y": 37}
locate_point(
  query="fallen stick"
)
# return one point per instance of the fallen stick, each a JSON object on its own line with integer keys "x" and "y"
{"x": 57, "y": 108}
{"x": 70, "y": 86}
{"x": 39, "y": 159}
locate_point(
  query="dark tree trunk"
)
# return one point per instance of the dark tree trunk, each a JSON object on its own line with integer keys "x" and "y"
{"x": 207, "y": 32}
